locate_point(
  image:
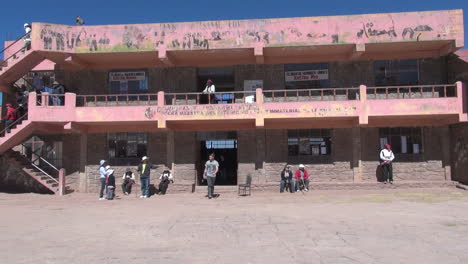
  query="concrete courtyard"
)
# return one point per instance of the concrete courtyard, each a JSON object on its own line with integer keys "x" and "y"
{"x": 384, "y": 226}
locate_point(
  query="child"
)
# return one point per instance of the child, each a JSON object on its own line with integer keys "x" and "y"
{"x": 110, "y": 182}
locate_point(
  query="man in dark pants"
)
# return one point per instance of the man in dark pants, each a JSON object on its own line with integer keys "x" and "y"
{"x": 211, "y": 168}
{"x": 102, "y": 178}
{"x": 144, "y": 169}
{"x": 386, "y": 158}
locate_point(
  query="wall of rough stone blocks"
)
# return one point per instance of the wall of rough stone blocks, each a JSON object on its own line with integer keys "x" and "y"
{"x": 459, "y": 152}
{"x": 427, "y": 167}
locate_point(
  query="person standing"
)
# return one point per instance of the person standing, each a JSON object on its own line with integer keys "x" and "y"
{"x": 79, "y": 21}
{"x": 287, "y": 179}
{"x": 128, "y": 180}
{"x": 210, "y": 90}
{"x": 10, "y": 117}
{"x": 144, "y": 169}
{"x": 110, "y": 183}
{"x": 386, "y": 159}
{"x": 211, "y": 168}
{"x": 27, "y": 38}
{"x": 302, "y": 178}
{"x": 102, "y": 178}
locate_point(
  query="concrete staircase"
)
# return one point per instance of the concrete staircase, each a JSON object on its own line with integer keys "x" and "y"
{"x": 14, "y": 68}
{"x": 18, "y": 134}
{"x": 45, "y": 176}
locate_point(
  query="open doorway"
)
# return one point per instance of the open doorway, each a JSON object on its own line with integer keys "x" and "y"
{"x": 225, "y": 151}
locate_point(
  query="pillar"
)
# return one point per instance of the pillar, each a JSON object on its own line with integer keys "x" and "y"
{"x": 83, "y": 186}
{"x": 357, "y": 160}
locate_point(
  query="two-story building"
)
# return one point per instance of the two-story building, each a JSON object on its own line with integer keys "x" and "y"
{"x": 327, "y": 92}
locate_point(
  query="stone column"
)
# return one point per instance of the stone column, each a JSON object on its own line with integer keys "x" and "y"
{"x": 446, "y": 157}
{"x": 170, "y": 150}
{"x": 83, "y": 187}
{"x": 357, "y": 160}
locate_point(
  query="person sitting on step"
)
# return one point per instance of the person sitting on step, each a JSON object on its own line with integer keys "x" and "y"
{"x": 302, "y": 179}
{"x": 166, "y": 178}
{"x": 128, "y": 180}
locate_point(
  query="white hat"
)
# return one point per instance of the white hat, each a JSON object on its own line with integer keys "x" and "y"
{"x": 26, "y": 25}
{"x": 102, "y": 162}
{"x": 144, "y": 158}
{"x": 301, "y": 166}
{"x": 107, "y": 167}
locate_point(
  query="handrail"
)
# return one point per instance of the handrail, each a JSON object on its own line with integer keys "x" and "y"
{"x": 198, "y": 93}
{"x": 11, "y": 56}
{"x": 313, "y": 89}
{"x": 2, "y": 133}
{"x": 52, "y": 178}
{"x": 11, "y": 44}
{"x": 408, "y": 86}
{"x": 49, "y": 163}
{"x": 146, "y": 97}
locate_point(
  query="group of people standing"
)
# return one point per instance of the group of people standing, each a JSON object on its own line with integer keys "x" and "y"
{"x": 107, "y": 180}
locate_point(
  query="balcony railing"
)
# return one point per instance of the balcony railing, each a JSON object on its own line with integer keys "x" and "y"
{"x": 412, "y": 92}
{"x": 305, "y": 95}
{"x": 116, "y": 100}
{"x": 234, "y": 97}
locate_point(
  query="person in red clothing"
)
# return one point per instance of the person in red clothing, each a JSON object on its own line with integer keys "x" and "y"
{"x": 10, "y": 116}
{"x": 302, "y": 179}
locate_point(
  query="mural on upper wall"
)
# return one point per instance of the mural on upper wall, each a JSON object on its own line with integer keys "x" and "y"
{"x": 251, "y": 33}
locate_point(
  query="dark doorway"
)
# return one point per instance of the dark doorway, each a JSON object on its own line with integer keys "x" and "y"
{"x": 225, "y": 151}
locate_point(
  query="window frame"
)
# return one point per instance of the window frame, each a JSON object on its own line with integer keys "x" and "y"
{"x": 375, "y": 72}
{"x": 141, "y": 139}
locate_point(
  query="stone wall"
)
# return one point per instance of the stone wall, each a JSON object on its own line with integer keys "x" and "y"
{"x": 428, "y": 166}
{"x": 459, "y": 152}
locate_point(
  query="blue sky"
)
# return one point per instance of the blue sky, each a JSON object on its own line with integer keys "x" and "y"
{"x": 97, "y": 12}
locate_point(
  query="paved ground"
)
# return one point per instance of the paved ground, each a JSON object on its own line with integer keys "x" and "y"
{"x": 385, "y": 226}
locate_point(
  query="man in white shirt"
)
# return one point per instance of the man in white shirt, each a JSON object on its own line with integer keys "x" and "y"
{"x": 27, "y": 37}
{"x": 386, "y": 158}
{"x": 210, "y": 90}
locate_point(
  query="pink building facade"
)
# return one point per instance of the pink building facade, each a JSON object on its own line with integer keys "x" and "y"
{"x": 326, "y": 92}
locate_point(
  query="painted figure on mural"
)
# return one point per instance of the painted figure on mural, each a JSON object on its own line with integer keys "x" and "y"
{"x": 211, "y": 168}
{"x": 128, "y": 180}
{"x": 287, "y": 180}
{"x": 302, "y": 179}
{"x": 386, "y": 159}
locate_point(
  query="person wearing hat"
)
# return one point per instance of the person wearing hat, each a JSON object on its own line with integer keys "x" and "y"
{"x": 287, "y": 179}
{"x": 10, "y": 117}
{"x": 302, "y": 179}
{"x": 128, "y": 180}
{"x": 144, "y": 169}
{"x": 165, "y": 178}
{"x": 27, "y": 38}
{"x": 102, "y": 178}
{"x": 110, "y": 183}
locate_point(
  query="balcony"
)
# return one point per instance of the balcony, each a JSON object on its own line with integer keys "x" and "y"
{"x": 332, "y": 107}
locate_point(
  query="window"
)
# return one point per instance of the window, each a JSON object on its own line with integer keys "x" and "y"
{"x": 127, "y": 145}
{"x": 396, "y": 72}
{"x": 403, "y": 140}
{"x": 309, "y": 142}
{"x": 306, "y": 76}
{"x": 128, "y": 82}
{"x": 221, "y": 144}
